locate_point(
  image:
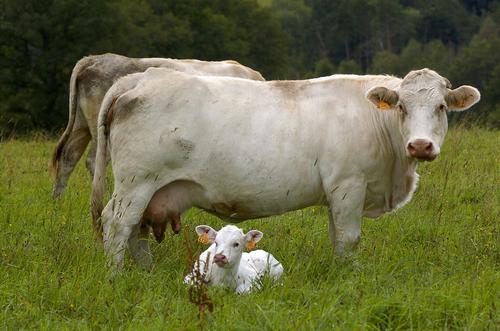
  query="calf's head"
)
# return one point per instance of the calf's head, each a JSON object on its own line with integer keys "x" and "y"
{"x": 422, "y": 100}
{"x": 229, "y": 243}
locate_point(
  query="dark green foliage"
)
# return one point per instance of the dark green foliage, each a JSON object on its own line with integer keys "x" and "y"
{"x": 448, "y": 21}
{"x": 478, "y": 64}
{"x": 40, "y": 42}
{"x": 414, "y": 55}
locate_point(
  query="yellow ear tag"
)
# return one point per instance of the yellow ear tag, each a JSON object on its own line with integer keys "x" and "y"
{"x": 383, "y": 105}
{"x": 251, "y": 245}
{"x": 203, "y": 238}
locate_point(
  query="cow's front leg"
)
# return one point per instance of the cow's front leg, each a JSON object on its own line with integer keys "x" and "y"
{"x": 346, "y": 208}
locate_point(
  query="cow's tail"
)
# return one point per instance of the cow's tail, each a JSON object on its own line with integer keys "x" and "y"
{"x": 73, "y": 105}
{"x": 99, "y": 180}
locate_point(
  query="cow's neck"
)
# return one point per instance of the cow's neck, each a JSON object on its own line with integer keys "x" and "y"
{"x": 404, "y": 177}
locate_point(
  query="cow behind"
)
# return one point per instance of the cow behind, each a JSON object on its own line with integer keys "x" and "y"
{"x": 92, "y": 76}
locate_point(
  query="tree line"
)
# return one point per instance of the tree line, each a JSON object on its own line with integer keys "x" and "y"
{"x": 41, "y": 40}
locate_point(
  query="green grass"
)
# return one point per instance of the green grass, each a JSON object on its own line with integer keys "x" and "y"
{"x": 432, "y": 265}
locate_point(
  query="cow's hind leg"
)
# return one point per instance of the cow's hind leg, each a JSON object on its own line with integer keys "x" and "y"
{"x": 138, "y": 244}
{"x": 126, "y": 207}
{"x": 70, "y": 154}
{"x": 346, "y": 208}
{"x": 90, "y": 162}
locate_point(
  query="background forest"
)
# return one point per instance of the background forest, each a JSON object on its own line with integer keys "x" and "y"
{"x": 41, "y": 40}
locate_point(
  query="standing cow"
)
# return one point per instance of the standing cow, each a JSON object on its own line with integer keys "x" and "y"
{"x": 91, "y": 78}
{"x": 245, "y": 149}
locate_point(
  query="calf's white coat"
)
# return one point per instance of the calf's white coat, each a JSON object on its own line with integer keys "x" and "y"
{"x": 242, "y": 271}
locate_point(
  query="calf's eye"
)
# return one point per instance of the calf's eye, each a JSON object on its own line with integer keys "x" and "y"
{"x": 442, "y": 108}
{"x": 236, "y": 244}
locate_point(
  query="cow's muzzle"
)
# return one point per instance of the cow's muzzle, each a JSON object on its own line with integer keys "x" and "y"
{"x": 421, "y": 149}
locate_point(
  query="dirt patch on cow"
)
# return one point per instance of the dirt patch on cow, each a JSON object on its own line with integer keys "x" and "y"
{"x": 186, "y": 146}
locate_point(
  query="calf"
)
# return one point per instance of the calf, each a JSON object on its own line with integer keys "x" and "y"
{"x": 224, "y": 262}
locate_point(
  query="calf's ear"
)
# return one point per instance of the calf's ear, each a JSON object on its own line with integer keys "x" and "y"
{"x": 462, "y": 98}
{"x": 206, "y": 235}
{"x": 251, "y": 238}
{"x": 382, "y": 97}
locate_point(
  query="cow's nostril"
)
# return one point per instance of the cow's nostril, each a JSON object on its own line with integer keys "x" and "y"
{"x": 422, "y": 149}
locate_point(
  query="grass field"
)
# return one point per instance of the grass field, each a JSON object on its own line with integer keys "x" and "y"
{"x": 433, "y": 264}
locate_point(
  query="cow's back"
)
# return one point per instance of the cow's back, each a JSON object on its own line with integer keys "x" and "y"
{"x": 97, "y": 73}
{"x": 227, "y": 68}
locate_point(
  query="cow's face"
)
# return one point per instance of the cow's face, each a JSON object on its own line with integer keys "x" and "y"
{"x": 230, "y": 242}
{"x": 422, "y": 101}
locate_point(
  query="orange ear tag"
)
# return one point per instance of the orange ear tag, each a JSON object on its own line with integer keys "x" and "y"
{"x": 383, "y": 105}
{"x": 251, "y": 245}
{"x": 203, "y": 238}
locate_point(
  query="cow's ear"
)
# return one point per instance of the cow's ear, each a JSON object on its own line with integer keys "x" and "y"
{"x": 462, "y": 98}
{"x": 206, "y": 235}
{"x": 382, "y": 97}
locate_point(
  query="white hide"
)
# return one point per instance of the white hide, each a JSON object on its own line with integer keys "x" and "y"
{"x": 243, "y": 271}
{"x": 92, "y": 76}
{"x": 254, "y": 149}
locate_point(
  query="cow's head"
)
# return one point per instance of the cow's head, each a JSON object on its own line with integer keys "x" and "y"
{"x": 229, "y": 242}
{"x": 422, "y": 100}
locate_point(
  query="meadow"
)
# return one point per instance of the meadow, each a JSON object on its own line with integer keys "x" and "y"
{"x": 432, "y": 265}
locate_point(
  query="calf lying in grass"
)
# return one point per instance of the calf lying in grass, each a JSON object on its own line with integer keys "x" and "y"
{"x": 224, "y": 262}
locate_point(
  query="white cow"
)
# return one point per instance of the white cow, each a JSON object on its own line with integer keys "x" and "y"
{"x": 244, "y": 149}
{"x": 92, "y": 76}
{"x": 225, "y": 264}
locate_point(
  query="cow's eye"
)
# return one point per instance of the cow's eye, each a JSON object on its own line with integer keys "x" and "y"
{"x": 236, "y": 244}
{"x": 402, "y": 109}
{"x": 442, "y": 107}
